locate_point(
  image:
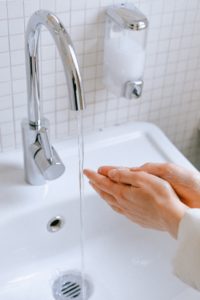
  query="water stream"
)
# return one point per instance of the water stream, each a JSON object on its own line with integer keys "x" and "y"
{"x": 81, "y": 195}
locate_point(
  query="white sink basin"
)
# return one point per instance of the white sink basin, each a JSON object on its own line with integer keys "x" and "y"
{"x": 122, "y": 260}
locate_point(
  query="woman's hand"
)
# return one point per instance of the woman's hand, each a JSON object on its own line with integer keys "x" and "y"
{"x": 186, "y": 183}
{"x": 144, "y": 198}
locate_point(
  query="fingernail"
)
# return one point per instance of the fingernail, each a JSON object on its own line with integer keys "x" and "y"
{"x": 99, "y": 170}
{"x": 86, "y": 171}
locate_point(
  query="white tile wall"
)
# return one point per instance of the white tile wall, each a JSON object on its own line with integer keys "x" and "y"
{"x": 171, "y": 96}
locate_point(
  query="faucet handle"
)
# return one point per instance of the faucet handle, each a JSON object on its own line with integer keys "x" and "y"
{"x": 46, "y": 157}
{"x": 50, "y": 169}
{"x": 43, "y": 137}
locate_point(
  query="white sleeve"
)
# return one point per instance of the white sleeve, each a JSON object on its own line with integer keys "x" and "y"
{"x": 186, "y": 262}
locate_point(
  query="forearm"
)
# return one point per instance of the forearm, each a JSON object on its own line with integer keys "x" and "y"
{"x": 187, "y": 259}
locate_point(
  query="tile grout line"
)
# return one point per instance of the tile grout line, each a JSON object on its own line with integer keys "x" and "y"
{"x": 11, "y": 77}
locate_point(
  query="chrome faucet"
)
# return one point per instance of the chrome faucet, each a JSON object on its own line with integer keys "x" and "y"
{"x": 41, "y": 162}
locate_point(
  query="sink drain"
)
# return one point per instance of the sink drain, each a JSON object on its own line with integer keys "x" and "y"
{"x": 71, "y": 286}
{"x": 55, "y": 224}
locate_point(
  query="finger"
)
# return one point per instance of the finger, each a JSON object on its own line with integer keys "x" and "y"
{"x": 136, "y": 179}
{"x": 105, "y": 169}
{"x": 163, "y": 170}
{"x": 102, "y": 182}
{"x": 174, "y": 174}
{"x": 109, "y": 198}
{"x": 117, "y": 209}
{"x": 148, "y": 167}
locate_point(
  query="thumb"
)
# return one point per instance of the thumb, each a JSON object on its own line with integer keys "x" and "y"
{"x": 155, "y": 169}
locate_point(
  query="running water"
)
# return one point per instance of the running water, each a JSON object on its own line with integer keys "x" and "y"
{"x": 81, "y": 191}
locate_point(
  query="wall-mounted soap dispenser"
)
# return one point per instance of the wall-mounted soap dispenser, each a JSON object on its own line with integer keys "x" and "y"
{"x": 124, "y": 50}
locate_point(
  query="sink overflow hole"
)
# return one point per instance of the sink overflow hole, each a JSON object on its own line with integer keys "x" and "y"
{"x": 55, "y": 224}
{"x": 71, "y": 286}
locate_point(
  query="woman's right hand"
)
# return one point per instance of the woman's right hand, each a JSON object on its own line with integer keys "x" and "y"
{"x": 186, "y": 183}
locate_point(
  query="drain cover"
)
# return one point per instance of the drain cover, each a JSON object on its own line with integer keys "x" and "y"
{"x": 72, "y": 286}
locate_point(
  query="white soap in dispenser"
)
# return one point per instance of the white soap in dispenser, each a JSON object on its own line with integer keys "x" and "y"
{"x": 124, "y": 50}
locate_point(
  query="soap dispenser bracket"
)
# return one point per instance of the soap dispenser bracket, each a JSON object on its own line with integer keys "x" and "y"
{"x": 133, "y": 89}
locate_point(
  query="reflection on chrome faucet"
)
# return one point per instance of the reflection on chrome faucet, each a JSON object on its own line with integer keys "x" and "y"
{"x": 41, "y": 161}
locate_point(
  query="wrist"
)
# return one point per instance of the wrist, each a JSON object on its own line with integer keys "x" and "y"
{"x": 176, "y": 220}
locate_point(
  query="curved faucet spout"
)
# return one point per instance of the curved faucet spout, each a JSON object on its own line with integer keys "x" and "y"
{"x": 41, "y": 161}
{"x": 68, "y": 57}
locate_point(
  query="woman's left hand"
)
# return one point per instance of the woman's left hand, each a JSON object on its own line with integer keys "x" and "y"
{"x": 143, "y": 198}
